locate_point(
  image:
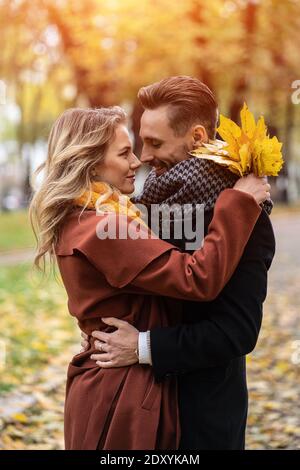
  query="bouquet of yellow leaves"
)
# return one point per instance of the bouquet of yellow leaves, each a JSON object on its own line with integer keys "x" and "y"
{"x": 246, "y": 149}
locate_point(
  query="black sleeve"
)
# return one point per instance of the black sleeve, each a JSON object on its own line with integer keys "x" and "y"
{"x": 232, "y": 322}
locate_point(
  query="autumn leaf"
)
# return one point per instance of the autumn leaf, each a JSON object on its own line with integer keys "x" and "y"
{"x": 20, "y": 417}
{"x": 231, "y": 134}
{"x": 246, "y": 149}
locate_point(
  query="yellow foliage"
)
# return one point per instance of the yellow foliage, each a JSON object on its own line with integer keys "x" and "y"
{"x": 20, "y": 417}
{"x": 246, "y": 149}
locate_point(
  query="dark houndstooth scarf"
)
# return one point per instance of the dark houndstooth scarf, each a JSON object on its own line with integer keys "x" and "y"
{"x": 191, "y": 181}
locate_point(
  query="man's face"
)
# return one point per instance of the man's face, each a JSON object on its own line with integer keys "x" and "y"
{"x": 162, "y": 149}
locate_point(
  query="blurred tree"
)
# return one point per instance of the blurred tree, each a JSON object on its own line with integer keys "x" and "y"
{"x": 30, "y": 65}
{"x": 248, "y": 51}
{"x": 279, "y": 25}
{"x": 129, "y": 44}
{"x": 60, "y": 53}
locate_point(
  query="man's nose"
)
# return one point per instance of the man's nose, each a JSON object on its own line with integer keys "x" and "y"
{"x": 146, "y": 157}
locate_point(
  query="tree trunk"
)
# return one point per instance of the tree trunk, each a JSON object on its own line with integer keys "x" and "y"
{"x": 240, "y": 90}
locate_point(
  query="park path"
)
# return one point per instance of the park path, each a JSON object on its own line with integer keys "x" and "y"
{"x": 15, "y": 257}
{"x": 273, "y": 367}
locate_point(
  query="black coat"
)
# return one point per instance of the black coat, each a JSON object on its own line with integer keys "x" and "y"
{"x": 207, "y": 352}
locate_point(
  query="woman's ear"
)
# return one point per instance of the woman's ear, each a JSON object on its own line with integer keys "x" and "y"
{"x": 95, "y": 174}
{"x": 199, "y": 136}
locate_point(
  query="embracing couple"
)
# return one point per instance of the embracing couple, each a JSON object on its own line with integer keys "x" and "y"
{"x": 166, "y": 330}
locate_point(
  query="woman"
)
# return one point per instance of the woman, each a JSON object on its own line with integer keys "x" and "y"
{"x": 90, "y": 159}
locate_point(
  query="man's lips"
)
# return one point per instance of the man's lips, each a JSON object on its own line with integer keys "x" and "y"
{"x": 132, "y": 177}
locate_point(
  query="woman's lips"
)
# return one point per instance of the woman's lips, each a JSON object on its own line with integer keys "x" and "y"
{"x": 132, "y": 178}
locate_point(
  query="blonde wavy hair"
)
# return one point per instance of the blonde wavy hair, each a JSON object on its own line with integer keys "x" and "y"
{"x": 78, "y": 141}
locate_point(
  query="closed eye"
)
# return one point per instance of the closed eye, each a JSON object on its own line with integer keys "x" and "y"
{"x": 125, "y": 153}
{"x": 155, "y": 143}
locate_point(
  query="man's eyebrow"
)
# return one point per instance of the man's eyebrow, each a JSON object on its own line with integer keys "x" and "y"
{"x": 150, "y": 137}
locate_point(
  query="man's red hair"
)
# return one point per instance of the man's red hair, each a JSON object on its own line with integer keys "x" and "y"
{"x": 189, "y": 102}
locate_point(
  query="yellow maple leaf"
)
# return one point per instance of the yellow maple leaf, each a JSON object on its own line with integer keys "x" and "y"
{"x": 248, "y": 122}
{"x": 230, "y": 133}
{"x": 246, "y": 149}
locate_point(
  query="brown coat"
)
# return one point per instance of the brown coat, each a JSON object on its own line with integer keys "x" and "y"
{"x": 124, "y": 408}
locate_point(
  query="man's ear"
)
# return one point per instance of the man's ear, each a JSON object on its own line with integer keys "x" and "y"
{"x": 199, "y": 135}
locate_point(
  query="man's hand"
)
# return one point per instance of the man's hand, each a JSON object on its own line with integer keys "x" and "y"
{"x": 117, "y": 348}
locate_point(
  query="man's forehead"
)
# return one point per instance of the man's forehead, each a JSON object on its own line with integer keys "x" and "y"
{"x": 154, "y": 122}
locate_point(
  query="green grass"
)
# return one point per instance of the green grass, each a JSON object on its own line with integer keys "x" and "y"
{"x": 34, "y": 323}
{"x": 15, "y": 231}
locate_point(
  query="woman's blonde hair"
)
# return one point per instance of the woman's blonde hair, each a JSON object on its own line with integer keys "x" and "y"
{"x": 78, "y": 141}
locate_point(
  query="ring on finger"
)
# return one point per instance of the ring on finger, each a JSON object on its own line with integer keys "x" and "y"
{"x": 99, "y": 346}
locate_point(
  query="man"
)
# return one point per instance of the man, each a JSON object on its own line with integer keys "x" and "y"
{"x": 207, "y": 351}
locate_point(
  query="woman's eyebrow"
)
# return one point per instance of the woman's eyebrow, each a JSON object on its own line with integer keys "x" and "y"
{"x": 128, "y": 147}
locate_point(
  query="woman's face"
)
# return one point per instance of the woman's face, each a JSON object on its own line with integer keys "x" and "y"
{"x": 120, "y": 164}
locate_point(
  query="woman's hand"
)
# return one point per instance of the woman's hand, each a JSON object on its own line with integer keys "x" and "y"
{"x": 258, "y": 187}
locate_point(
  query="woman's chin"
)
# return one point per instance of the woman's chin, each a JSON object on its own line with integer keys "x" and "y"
{"x": 128, "y": 188}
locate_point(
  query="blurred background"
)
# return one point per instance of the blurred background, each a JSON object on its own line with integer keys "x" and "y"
{"x": 57, "y": 54}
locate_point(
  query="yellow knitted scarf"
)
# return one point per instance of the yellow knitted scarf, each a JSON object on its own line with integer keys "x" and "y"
{"x": 107, "y": 199}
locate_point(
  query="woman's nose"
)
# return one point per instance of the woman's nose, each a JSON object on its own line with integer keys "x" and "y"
{"x": 135, "y": 161}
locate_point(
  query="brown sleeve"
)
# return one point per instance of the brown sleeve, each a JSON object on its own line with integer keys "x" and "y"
{"x": 157, "y": 267}
{"x": 203, "y": 275}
